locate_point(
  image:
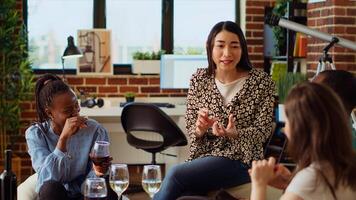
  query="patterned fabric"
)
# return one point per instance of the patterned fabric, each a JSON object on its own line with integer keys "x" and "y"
{"x": 252, "y": 108}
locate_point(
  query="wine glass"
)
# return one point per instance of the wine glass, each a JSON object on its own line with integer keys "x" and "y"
{"x": 94, "y": 188}
{"x": 151, "y": 179}
{"x": 119, "y": 178}
{"x": 100, "y": 152}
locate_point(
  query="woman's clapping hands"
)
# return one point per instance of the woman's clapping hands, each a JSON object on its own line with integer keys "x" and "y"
{"x": 229, "y": 131}
{"x": 204, "y": 122}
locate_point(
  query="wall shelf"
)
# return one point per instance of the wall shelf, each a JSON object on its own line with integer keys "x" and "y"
{"x": 296, "y": 12}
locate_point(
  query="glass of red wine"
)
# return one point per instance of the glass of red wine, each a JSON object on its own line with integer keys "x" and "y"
{"x": 100, "y": 152}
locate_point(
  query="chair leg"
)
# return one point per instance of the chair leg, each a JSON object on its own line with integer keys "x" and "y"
{"x": 282, "y": 151}
{"x": 153, "y": 162}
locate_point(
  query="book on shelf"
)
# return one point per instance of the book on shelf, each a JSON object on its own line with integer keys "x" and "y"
{"x": 300, "y": 45}
{"x": 296, "y": 45}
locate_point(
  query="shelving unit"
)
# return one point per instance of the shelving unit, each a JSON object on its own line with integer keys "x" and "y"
{"x": 296, "y": 12}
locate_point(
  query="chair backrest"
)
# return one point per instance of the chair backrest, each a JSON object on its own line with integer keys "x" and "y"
{"x": 148, "y": 117}
{"x": 276, "y": 143}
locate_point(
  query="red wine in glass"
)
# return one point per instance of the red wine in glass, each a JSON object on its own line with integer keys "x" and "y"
{"x": 99, "y": 160}
{"x": 100, "y": 152}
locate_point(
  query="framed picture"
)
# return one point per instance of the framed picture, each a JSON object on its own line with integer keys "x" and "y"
{"x": 96, "y": 48}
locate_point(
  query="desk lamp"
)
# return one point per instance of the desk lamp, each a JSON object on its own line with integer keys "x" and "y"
{"x": 71, "y": 51}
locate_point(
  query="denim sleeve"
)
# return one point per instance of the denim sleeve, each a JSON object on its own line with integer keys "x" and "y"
{"x": 102, "y": 134}
{"x": 48, "y": 165}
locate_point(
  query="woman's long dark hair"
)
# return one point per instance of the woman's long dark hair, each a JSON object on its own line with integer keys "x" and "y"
{"x": 233, "y": 28}
{"x": 321, "y": 133}
{"x": 47, "y": 86}
{"x": 343, "y": 83}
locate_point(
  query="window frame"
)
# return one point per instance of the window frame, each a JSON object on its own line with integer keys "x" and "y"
{"x": 99, "y": 21}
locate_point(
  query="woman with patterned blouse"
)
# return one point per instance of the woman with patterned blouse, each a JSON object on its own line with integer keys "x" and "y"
{"x": 228, "y": 118}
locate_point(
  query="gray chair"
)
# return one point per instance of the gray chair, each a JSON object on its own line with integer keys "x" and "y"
{"x": 150, "y": 118}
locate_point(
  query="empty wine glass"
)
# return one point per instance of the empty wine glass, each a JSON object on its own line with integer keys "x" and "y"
{"x": 119, "y": 178}
{"x": 100, "y": 152}
{"x": 151, "y": 179}
{"x": 94, "y": 188}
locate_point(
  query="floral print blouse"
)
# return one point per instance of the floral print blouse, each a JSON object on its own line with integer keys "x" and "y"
{"x": 252, "y": 108}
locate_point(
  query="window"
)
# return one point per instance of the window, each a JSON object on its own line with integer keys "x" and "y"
{"x": 49, "y": 24}
{"x": 193, "y": 21}
{"x": 135, "y": 25}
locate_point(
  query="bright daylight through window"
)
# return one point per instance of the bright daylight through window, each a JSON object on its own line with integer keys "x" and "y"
{"x": 135, "y": 25}
{"x": 193, "y": 21}
{"x": 49, "y": 25}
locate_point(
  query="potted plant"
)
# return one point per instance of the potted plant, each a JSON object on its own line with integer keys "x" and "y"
{"x": 284, "y": 84}
{"x": 16, "y": 77}
{"x": 146, "y": 62}
{"x": 130, "y": 96}
{"x": 279, "y": 33}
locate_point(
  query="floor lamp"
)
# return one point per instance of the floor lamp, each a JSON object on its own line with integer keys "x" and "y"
{"x": 71, "y": 51}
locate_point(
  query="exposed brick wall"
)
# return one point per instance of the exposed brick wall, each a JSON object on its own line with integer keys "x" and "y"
{"x": 334, "y": 12}
{"x": 255, "y": 10}
{"x": 117, "y": 85}
{"x": 145, "y": 86}
{"x": 336, "y": 18}
{"x": 101, "y": 86}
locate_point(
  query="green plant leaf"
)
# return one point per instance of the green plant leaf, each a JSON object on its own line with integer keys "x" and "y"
{"x": 138, "y": 55}
{"x": 130, "y": 94}
{"x": 16, "y": 76}
{"x": 279, "y": 33}
{"x": 286, "y": 82}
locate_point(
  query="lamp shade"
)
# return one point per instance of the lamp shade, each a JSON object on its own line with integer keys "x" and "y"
{"x": 71, "y": 50}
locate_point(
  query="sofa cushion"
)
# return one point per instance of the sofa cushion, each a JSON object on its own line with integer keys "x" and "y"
{"x": 26, "y": 190}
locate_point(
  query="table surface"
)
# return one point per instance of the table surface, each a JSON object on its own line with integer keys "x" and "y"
{"x": 115, "y": 111}
{"x": 112, "y": 107}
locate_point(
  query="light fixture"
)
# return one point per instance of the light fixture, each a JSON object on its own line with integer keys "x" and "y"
{"x": 71, "y": 51}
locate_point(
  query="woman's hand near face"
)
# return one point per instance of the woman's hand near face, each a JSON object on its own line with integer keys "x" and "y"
{"x": 71, "y": 126}
{"x": 261, "y": 173}
{"x": 203, "y": 122}
{"x": 101, "y": 168}
{"x": 229, "y": 131}
{"x": 282, "y": 177}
